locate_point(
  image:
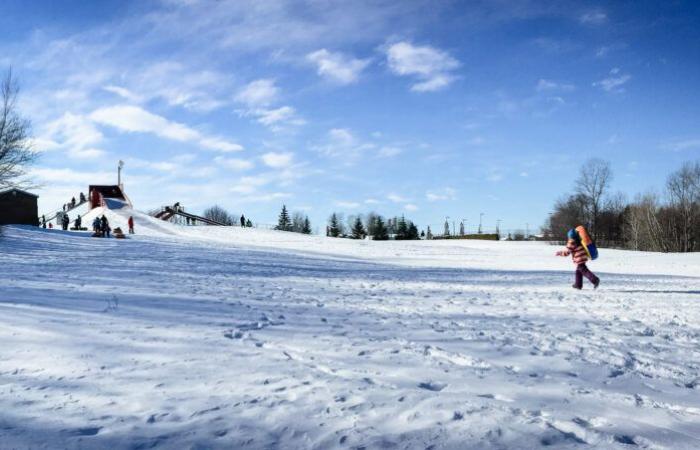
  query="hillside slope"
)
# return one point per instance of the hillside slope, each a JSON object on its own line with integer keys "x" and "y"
{"x": 208, "y": 337}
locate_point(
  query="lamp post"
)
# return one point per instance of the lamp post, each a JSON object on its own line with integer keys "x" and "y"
{"x": 119, "y": 173}
{"x": 481, "y": 216}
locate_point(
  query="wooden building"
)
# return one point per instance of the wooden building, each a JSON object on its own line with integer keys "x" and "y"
{"x": 18, "y": 207}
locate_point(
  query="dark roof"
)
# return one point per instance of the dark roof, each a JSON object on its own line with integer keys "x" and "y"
{"x": 7, "y": 191}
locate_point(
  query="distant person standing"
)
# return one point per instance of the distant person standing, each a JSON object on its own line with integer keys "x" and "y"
{"x": 43, "y": 221}
{"x": 78, "y": 222}
{"x": 96, "y": 226}
{"x": 72, "y": 203}
{"x": 242, "y": 221}
{"x": 131, "y": 224}
{"x": 82, "y": 198}
{"x": 104, "y": 226}
{"x": 65, "y": 221}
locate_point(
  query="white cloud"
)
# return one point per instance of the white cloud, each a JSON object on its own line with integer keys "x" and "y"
{"x": 277, "y": 160}
{"x": 234, "y": 163}
{"x": 397, "y": 198}
{"x": 495, "y": 177}
{"x": 441, "y": 195}
{"x": 347, "y": 205}
{"x": 549, "y": 85}
{"x": 134, "y": 119}
{"x": 433, "y": 67}
{"x": 283, "y": 114}
{"x": 614, "y": 82}
{"x": 123, "y": 93}
{"x": 372, "y": 201}
{"x": 341, "y": 144}
{"x": 222, "y": 145}
{"x": 73, "y": 133}
{"x": 388, "y": 152}
{"x": 258, "y": 93}
{"x": 682, "y": 145}
{"x": 69, "y": 176}
{"x": 336, "y": 66}
{"x": 86, "y": 153}
{"x": 257, "y": 97}
{"x": 410, "y": 207}
{"x": 189, "y": 87}
{"x": 593, "y": 18}
{"x": 249, "y": 185}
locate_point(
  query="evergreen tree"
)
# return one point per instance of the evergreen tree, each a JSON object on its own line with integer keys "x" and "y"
{"x": 358, "y": 230}
{"x": 298, "y": 222}
{"x": 307, "y": 226}
{"x": 284, "y": 223}
{"x": 461, "y": 229}
{"x": 412, "y": 234}
{"x": 447, "y": 228}
{"x": 429, "y": 234}
{"x": 333, "y": 226}
{"x": 380, "y": 231}
{"x": 422, "y": 234}
{"x": 401, "y": 229}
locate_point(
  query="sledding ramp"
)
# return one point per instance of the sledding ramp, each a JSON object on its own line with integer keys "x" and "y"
{"x": 169, "y": 211}
{"x": 144, "y": 225}
{"x": 101, "y": 195}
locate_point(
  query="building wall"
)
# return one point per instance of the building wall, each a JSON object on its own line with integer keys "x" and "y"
{"x": 19, "y": 209}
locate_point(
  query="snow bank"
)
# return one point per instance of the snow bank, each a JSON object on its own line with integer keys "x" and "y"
{"x": 208, "y": 337}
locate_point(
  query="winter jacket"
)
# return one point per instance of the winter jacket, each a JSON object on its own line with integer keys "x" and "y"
{"x": 576, "y": 250}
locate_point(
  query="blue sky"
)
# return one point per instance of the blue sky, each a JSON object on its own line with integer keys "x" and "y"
{"x": 428, "y": 109}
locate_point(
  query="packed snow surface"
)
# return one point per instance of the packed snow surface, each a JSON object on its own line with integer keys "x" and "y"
{"x": 213, "y": 337}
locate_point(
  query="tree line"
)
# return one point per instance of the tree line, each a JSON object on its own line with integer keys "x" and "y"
{"x": 668, "y": 221}
{"x": 372, "y": 225}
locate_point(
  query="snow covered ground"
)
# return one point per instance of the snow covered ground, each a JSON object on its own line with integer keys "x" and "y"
{"x": 207, "y": 337}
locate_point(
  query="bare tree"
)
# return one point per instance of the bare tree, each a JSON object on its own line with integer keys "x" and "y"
{"x": 16, "y": 151}
{"x": 218, "y": 214}
{"x": 684, "y": 194}
{"x": 592, "y": 184}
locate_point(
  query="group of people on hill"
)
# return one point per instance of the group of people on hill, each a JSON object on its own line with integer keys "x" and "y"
{"x": 72, "y": 203}
{"x": 101, "y": 228}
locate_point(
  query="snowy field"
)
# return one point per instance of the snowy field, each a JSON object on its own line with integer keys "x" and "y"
{"x": 207, "y": 337}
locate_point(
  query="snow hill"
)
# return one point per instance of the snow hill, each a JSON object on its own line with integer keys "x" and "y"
{"x": 212, "y": 337}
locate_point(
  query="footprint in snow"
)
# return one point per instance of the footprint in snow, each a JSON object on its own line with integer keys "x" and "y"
{"x": 432, "y": 386}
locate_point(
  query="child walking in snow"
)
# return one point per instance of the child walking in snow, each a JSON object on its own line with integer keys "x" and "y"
{"x": 580, "y": 257}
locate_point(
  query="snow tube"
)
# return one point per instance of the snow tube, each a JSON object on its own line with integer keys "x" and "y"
{"x": 587, "y": 242}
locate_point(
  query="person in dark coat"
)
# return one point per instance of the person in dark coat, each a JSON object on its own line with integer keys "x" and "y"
{"x": 65, "y": 221}
{"x": 242, "y": 221}
{"x": 96, "y": 225}
{"x": 82, "y": 198}
{"x": 78, "y": 222}
{"x": 131, "y": 224}
{"x": 104, "y": 226}
{"x": 43, "y": 221}
{"x": 72, "y": 203}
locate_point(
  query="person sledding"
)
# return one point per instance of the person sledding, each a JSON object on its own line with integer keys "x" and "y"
{"x": 579, "y": 255}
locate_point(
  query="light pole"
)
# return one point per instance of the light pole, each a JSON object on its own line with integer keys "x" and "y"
{"x": 119, "y": 173}
{"x": 481, "y": 216}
